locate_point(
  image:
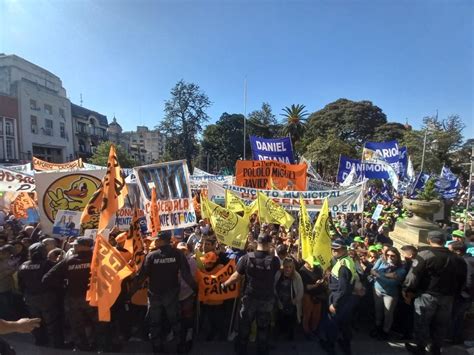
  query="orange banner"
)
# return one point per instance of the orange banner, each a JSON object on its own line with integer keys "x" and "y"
{"x": 155, "y": 224}
{"x": 209, "y": 285}
{"x": 41, "y": 165}
{"x": 21, "y": 204}
{"x": 134, "y": 242}
{"x": 269, "y": 174}
{"x": 108, "y": 269}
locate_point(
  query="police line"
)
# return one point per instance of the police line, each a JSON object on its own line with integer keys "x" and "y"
{"x": 350, "y": 200}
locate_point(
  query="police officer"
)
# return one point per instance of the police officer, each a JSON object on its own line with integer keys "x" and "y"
{"x": 436, "y": 276}
{"x": 162, "y": 267}
{"x": 259, "y": 269}
{"x": 73, "y": 273}
{"x": 337, "y": 325}
{"x": 41, "y": 301}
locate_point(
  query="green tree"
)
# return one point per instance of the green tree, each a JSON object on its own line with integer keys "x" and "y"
{"x": 101, "y": 156}
{"x": 389, "y": 131}
{"x": 352, "y": 122}
{"x": 326, "y": 151}
{"x": 262, "y": 123}
{"x": 185, "y": 115}
{"x": 222, "y": 142}
{"x": 294, "y": 122}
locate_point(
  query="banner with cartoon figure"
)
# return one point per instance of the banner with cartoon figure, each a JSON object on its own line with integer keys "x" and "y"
{"x": 67, "y": 223}
{"x": 66, "y": 190}
{"x": 174, "y": 197}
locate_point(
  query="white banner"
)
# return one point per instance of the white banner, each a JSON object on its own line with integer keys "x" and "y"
{"x": 16, "y": 181}
{"x": 350, "y": 200}
{"x": 175, "y": 202}
{"x": 201, "y": 181}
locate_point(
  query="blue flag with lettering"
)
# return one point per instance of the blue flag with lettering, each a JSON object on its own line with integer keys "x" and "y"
{"x": 368, "y": 170}
{"x": 279, "y": 149}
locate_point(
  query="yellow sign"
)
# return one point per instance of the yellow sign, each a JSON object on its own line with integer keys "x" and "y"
{"x": 70, "y": 192}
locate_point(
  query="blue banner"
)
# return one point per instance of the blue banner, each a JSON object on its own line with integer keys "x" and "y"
{"x": 278, "y": 149}
{"x": 369, "y": 170}
{"x": 387, "y": 150}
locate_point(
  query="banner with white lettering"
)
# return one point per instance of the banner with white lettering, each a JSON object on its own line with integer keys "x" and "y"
{"x": 279, "y": 149}
{"x": 350, "y": 200}
{"x": 369, "y": 170}
{"x": 387, "y": 151}
{"x": 173, "y": 190}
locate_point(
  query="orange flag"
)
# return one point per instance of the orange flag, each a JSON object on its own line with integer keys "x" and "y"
{"x": 209, "y": 285}
{"x": 134, "y": 242}
{"x": 196, "y": 204}
{"x": 108, "y": 269}
{"x": 155, "y": 224}
{"x": 21, "y": 204}
{"x": 109, "y": 197}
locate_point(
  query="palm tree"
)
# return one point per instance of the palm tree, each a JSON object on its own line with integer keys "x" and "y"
{"x": 295, "y": 120}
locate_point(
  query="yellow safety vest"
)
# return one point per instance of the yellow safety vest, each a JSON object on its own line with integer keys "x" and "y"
{"x": 348, "y": 263}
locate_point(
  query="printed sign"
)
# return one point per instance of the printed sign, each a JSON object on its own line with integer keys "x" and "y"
{"x": 173, "y": 191}
{"x": 278, "y": 149}
{"x": 41, "y": 165}
{"x": 209, "y": 285}
{"x": 377, "y": 212}
{"x": 16, "y": 181}
{"x": 369, "y": 170}
{"x": 387, "y": 151}
{"x": 348, "y": 200}
{"x": 200, "y": 181}
{"x": 67, "y": 223}
{"x": 66, "y": 190}
{"x": 270, "y": 175}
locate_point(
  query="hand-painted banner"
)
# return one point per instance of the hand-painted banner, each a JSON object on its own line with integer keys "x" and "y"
{"x": 270, "y": 175}
{"x": 173, "y": 190}
{"x": 16, "y": 181}
{"x": 278, "y": 149}
{"x": 209, "y": 285}
{"x": 369, "y": 170}
{"x": 200, "y": 181}
{"x": 93, "y": 166}
{"x": 41, "y": 165}
{"x": 349, "y": 200}
{"x": 24, "y": 168}
{"x": 20, "y": 206}
{"x": 65, "y": 190}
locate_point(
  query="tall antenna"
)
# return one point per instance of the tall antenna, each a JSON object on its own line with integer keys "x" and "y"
{"x": 81, "y": 100}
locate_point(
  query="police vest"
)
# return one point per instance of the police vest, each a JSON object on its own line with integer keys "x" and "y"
{"x": 348, "y": 263}
{"x": 260, "y": 277}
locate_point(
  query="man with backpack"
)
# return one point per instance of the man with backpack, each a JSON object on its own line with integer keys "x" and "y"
{"x": 259, "y": 269}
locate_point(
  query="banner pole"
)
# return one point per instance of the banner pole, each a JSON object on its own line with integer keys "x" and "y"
{"x": 232, "y": 318}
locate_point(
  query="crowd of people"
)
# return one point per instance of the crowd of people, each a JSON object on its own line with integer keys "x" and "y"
{"x": 419, "y": 295}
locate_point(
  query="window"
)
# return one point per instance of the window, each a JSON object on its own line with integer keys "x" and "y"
{"x": 8, "y": 128}
{"x": 33, "y": 105}
{"x": 48, "y": 130}
{"x": 61, "y": 112}
{"x": 62, "y": 130}
{"x": 34, "y": 124}
{"x": 1, "y": 126}
{"x": 48, "y": 109}
{"x": 10, "y": 149}
{"x": 81, "y": 127}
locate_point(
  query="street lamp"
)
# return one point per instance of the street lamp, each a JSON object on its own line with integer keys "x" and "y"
{"x": 434, "y": 145}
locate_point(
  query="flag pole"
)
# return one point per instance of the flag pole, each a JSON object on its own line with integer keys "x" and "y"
{"x": 469, "y": 191}
{"x": 245, "y": 118}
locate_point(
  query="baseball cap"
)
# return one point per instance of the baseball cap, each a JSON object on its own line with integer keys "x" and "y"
{"x": 378, "y": 247}
{"x": 338, "y": 244}
{"x": 209, "y": 257}
{"x": 343, "y": 230}
{"x": 358, "y": 239}
{"x": 437, "y": 235}
{"x": 458, "y": 233}
{"x": 84, "y": 241}
{"x": 164, "y": 235}
{"x": 372, "y": 248}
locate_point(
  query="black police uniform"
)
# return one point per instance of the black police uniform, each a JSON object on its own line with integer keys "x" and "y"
{"x": 41, "y": 301}
{"x": 162, "y": 267}
{"x": 74, "y": 273}
{"x": 259, "y": 268}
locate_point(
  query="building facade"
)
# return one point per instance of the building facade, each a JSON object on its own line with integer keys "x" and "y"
{"x": 143, "y": 145}
{"x": 90, "y": 129}
{"x": 44, "y": 123}
{"x": 9, "y": 152}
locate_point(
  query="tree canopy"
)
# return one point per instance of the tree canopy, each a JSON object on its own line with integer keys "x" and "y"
{"x": 101, "y": 156}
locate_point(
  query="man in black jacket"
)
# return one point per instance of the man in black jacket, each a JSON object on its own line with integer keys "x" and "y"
{"x": 41, "y": 301}
{"x": 162, "y": 267}
{"x": 73, "y": 273}
{"x": 259, "y": 268}
{"x": 436, "y": 276}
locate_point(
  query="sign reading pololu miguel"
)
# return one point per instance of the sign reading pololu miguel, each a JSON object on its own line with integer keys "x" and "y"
{"x": 267, "y": 174}
{"x": 173, "y": 190}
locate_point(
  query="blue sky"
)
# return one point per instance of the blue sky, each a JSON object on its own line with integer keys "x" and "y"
{"x": 407, "y": 57}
